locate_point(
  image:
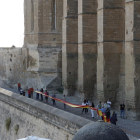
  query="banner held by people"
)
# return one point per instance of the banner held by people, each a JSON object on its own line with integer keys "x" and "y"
{"x": 99, "y": 112}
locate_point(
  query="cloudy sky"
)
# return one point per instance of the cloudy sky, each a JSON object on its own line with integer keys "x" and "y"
{"x": 11, "y": 23}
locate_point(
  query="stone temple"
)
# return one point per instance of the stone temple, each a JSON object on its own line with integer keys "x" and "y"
{"x": 90, "y": 48}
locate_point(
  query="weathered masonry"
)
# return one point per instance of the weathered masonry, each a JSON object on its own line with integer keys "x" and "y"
{"x": 88, "y": 47}
{"x": 35, "y": 118}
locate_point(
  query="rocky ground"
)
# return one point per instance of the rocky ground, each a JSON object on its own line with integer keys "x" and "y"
{"x": 125, "y": 124}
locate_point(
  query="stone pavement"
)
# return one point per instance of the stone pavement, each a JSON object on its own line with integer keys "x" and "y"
{"x": 129, "y": 125}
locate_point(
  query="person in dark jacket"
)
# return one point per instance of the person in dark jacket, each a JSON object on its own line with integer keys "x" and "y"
{"x": 84, "y": 104}
{"x": 107, "y": 113}
{"x": 23, "y": 93}
{"x": 41, "y": 90}
{"x": 115, "y": 116}
{"x": 46, "y": 97}
{"x": 54, "y": 96}
{"x": 37, "y": 94}
{"x": 113, "y": 119}
{"x": 29, "y": 93}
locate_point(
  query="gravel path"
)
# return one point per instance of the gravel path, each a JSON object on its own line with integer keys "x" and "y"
{"x": 133, "y": 126}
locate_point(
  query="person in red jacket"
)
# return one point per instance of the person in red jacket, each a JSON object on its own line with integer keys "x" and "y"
{"x": 19, "y": 86}
{"x": 46, "y": 97}
{"x": 29, "y": 93}
{"x": 31, "y": 90}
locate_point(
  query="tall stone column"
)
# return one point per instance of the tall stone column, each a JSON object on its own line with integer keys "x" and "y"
{"x": 132, "y": 57}
{"x": 69, "y": 46}
{"x": 87, "y": 47}
{"x": 110, "y": 45}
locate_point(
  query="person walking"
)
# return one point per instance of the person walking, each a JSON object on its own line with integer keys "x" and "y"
{"x": 64, "y": 98}
{"x": 32, "y": 91}
{"x": 41, "y": 90}
{"x": 87, "y": 103}
{"x": 84, "y": 104}
{"x": 29, "y": 93}
{"x": 54, "y": 96}
{"x": 115, "y": 116}
{"x": 99, "y": 106}
{"x": 107, "y": 113}
{"x": 19, "y": 87}
{"x": 21, "y": 91}
{"x": 105, "y": 105}
{"x": 109, "y": 105}
{"x": 37, "y": 94}
{"x": 122, "y": 108}
{"x": 46, "y": 97}
{"x": 92, "y": 111}
{"x": 103, "y": 110}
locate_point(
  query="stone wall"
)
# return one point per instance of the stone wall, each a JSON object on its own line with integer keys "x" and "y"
{"x": 108, "y": 54}
{"x": 43, "y": 39}
{"x": 39, "y": 63}
{"x": 13, "y": 66}
{"x": 22, "y": 65}
{"x": 35, "y": 118}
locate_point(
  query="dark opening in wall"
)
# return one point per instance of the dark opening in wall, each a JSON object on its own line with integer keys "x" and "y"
{"x": 69, "y": 72}
{"x": 10, "y": 69}
{"x": 10, "y": 59}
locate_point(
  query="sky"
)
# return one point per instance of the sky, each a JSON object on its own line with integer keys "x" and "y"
{"x": 11, "y": 23}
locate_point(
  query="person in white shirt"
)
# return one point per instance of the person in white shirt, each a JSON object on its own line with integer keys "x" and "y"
{"x": 37, "y": 94}
{"x": 109, "y": 104}
{"x": 92, "y": 111}
{"x": 105, "y": 105}
{"x": 21, "y": 91}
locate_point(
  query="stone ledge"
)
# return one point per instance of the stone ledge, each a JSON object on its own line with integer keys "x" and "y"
{"x": 60, "y": 118}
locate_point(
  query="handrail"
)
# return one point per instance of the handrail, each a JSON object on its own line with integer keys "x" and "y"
{"x": 131, "y": 132}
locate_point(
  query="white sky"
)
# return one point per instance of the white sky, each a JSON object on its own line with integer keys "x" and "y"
{"x": 11, "y": 23}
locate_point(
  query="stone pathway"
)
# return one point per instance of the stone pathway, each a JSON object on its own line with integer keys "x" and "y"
{"x": 132, "y": 126}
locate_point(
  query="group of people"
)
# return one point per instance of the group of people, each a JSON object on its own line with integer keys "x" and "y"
{"x": 22, "y": 92}
{"x": 85, "y": 103}
{"x": 46, "y": 97}
{"x": 105, "y": 108}
{"x": 31, "y": 91}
